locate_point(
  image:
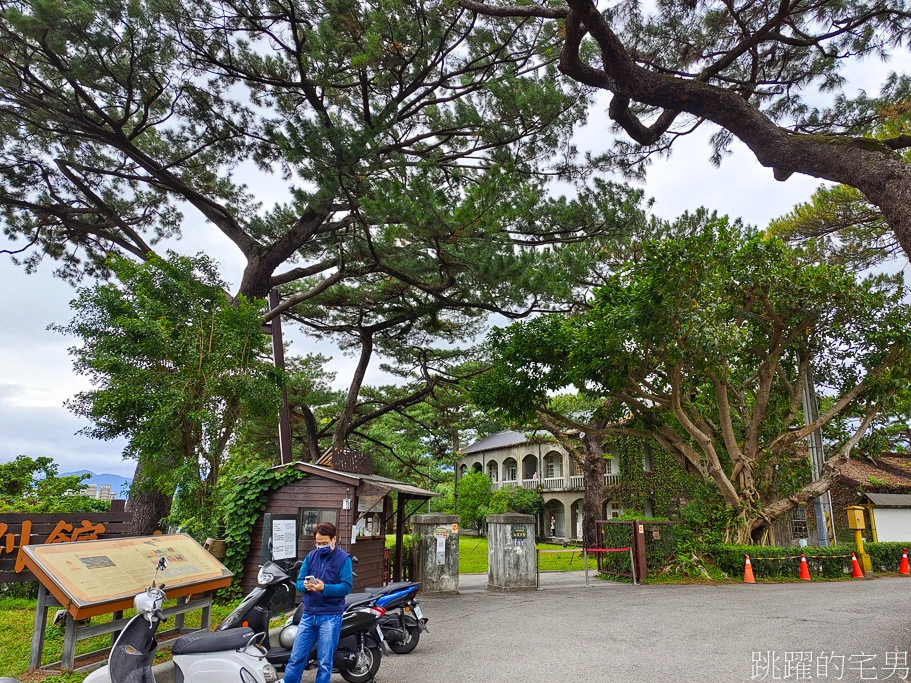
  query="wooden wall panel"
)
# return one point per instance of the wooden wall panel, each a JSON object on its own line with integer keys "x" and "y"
{"x": 319, "y": 493}
{"x": 64, "y": 527}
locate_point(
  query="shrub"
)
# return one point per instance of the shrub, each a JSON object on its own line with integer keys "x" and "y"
{"x": 832, "y": 561}
{"x": 885, "y": 556}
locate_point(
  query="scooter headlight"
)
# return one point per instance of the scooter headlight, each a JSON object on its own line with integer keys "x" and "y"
{"x": 264, "y": 577}
{"x": 147, "y": 602}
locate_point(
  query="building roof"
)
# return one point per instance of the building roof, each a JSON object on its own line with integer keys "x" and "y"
{"x": 890, "y": 500}
{"x": 496, "y": 440}
{"x": 891, "y": 473}
{"x": 410, "y": 490}
{"x": 356, "y": 479}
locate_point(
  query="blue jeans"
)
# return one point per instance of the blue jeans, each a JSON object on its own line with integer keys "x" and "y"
{"x": 322, "y": 629}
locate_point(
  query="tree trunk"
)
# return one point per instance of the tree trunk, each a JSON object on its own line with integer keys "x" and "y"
{"x": 150, "y": 506}
{"x": 593, "y": 469}
{"x": 343, "y": 427}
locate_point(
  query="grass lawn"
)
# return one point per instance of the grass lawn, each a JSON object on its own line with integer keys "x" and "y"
{"x": 17, "y": 618}
{"x": 473, "y": 556}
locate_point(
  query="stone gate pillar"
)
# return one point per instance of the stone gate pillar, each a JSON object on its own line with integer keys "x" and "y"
{"x": 511, "y": 563}
{"x": 435, "y": 543}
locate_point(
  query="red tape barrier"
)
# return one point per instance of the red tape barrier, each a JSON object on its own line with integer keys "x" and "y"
{"x": 607, "y": 550}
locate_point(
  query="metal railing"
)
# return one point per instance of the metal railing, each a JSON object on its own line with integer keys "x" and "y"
{"x": 575, "y": 482}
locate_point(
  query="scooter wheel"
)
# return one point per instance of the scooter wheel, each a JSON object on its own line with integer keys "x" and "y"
{"x": 412, "y": 636}
{"x": 369, "y": 664}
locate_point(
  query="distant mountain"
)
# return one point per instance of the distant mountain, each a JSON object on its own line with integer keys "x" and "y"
{"x": 115, "y": 481}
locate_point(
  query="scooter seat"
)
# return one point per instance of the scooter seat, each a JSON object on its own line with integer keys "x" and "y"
{"x": 207, "y": 641}
{"x": 390, "y": 588}
{"x": 358, "y": 598}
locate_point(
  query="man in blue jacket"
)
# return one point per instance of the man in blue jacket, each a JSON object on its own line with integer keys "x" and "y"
{"x": 329, "y": 569}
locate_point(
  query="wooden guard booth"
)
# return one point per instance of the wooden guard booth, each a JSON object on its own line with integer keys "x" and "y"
{"x": 360, "y": 505}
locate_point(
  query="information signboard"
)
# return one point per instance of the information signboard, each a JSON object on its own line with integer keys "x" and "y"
{"x": 97, "y": 577}
{"x": 284, "y": 539}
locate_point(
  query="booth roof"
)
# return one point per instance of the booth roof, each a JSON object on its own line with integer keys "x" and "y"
{"x": 355, "y": 479}
{"x": 890, "y": 500}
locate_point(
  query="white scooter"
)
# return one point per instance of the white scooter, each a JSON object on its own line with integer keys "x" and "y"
{"x": 200, "y": 657}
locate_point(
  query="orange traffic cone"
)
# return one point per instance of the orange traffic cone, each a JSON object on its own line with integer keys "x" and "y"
{"x": 804, "y": 569}
{"x": 855, "y": 568}
{"x": 903, "y": 567}
{"x": 748, "y": 572}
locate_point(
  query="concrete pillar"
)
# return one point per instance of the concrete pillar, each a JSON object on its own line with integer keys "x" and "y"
{"x": 511, "y": 552}
{"x": 436, "y": 544}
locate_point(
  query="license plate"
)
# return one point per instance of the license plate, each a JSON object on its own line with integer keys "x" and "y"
{"x": 379, "y": 632}
{"x": 417, "y": 611}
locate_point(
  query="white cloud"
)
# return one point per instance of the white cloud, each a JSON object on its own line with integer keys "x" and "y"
{"x": 52, "y": 432}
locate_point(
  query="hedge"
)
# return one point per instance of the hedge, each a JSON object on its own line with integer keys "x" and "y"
{"x": 823, "y": 561}
{"x": 730, "y": 559}
{"x": 885, "y": 556}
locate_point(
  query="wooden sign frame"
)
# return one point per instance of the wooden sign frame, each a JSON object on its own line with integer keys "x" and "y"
{"x": 38, "y": 559}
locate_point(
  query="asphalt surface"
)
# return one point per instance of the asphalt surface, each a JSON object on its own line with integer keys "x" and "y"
{"x": 630, "y": 634}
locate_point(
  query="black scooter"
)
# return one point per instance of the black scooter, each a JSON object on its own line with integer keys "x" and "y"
{"x": 358, "y": 655}
{"x": 403, "y": 622}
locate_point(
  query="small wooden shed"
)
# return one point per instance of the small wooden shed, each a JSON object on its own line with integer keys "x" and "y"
{"x": 358, "y": 504}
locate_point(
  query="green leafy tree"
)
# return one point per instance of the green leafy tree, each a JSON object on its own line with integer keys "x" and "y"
{"x": 754, "y": 71}
{"x": 415, "y": 152}
{"x": 703, "y": 345}
{"x": 515, "y": 499}
{"x": 398, "y": 131}
{"x": 472, "y": 498}
{"x": 845, "y": 226}
{"x": 175, "y": 363}
{"x": 33, "y": 485}
{"x": 420, "y": 443}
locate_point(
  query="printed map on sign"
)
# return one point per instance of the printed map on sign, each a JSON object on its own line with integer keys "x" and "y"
{"x": 91, "y": 572}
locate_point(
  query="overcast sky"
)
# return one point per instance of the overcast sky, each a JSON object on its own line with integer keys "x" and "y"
{"x": 36, "y": 375}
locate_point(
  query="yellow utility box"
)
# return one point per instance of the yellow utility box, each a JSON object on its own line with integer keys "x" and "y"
{"x": 855, "y": 517}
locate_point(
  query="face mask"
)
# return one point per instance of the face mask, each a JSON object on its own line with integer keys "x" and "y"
{"x": 325, "y": 550}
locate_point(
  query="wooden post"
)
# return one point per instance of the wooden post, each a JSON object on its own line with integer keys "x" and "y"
{"x": 639, "y": 547}
{"x": 178, "y": 618}
{"x": 399, "y": 536}
{"x": 207, "y": 612}
{"x": 68, "y": 658}
{"x": 117, "y": 615}
{"x": 34, "y": 660}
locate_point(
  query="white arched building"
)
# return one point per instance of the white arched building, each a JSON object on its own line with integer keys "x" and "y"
{"x": 513, "y": 459}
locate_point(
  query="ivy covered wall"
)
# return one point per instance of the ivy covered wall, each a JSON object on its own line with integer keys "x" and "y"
{"x": 652, "y": 481}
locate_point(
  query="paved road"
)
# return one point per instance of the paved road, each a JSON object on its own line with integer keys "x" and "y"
{"x": 655, "y": 634}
